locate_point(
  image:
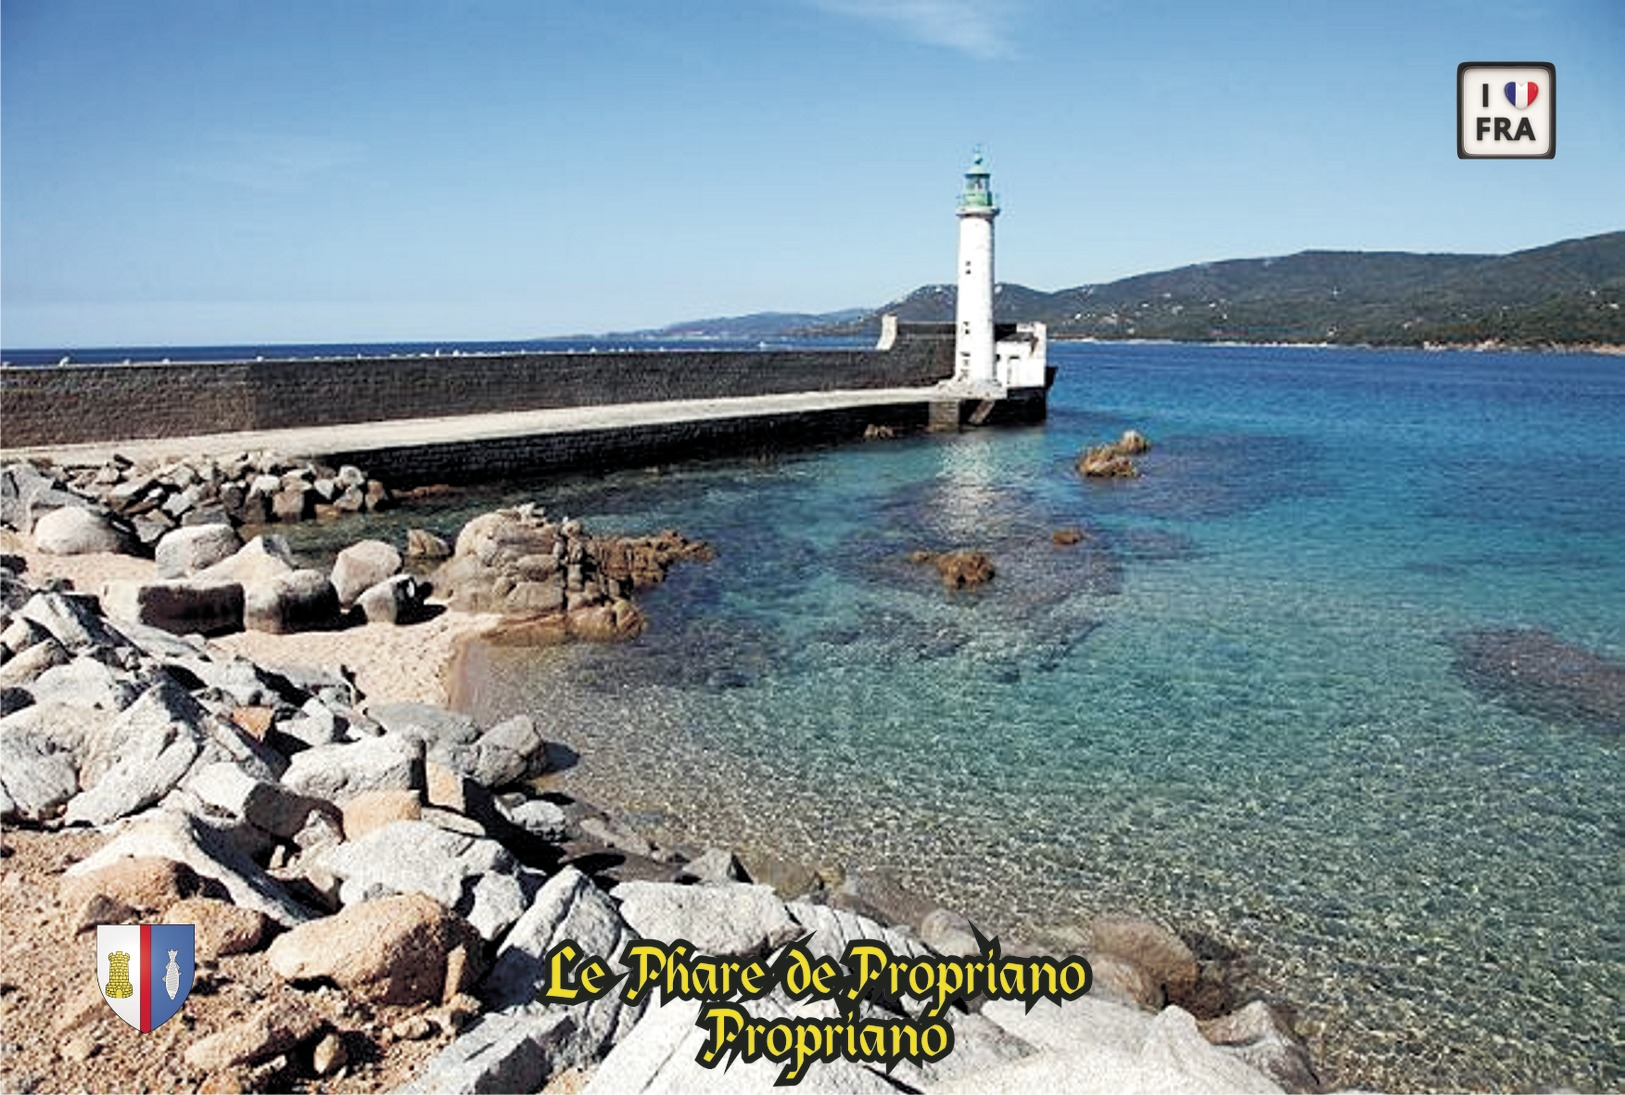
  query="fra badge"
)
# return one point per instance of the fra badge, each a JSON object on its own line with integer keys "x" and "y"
{"x": 145, "y": 970}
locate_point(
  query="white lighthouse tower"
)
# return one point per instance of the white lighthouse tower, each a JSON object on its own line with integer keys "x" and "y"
{"x": 974, "y": 360}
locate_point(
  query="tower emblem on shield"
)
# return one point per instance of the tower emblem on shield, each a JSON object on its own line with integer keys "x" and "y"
{"x": 145, "y": 970}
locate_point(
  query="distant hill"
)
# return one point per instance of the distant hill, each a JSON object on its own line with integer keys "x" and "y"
{"x": 756, "y": 325}
{"x": 1568, "y": 292}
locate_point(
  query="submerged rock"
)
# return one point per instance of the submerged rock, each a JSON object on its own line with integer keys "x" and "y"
{"x": 959, "y": 569}
{"x": 1535, "y": 673}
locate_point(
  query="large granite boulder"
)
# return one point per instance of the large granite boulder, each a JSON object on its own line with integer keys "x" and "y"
{"x": 477, "y": 878}
{"x": 395, "y": 950}
{"x": 185, "y": 551}
{"x": 74, "y": 530}
{"x": 361, "y": 566}
{"x": 303, "y": 600}
{"x": 210, "y": 852}
{"x": 182, "y": 606}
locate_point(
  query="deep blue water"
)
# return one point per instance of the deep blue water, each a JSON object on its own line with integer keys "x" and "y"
{"x": 1268, "y": 699}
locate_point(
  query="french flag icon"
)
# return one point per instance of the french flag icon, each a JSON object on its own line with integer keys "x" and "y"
{"x": 1520, "y": 93}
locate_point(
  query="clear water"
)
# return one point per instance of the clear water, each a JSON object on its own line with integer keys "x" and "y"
{"x": 1240, "y": 705}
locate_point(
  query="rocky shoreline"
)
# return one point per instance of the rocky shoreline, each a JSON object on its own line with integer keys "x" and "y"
{"x": 376, "y": 883}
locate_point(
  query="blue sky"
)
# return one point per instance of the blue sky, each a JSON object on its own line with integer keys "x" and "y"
{"x": 203, "y": 172}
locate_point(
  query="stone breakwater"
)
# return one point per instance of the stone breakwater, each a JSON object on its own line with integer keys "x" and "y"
{"x": 377, "y": 885}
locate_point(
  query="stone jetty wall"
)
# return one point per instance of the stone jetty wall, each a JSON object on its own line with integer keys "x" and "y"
{"x": 461, "y": 462}
{"x": 73, "y": 404}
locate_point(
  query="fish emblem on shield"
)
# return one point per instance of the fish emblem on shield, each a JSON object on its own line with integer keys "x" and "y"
{"x": 145, "y": 970}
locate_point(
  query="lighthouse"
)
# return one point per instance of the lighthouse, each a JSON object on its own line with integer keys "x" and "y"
{"x": 974, "y": 359}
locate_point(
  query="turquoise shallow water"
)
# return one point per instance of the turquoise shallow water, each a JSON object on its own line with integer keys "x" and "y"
{"x": 1247, "y": 702}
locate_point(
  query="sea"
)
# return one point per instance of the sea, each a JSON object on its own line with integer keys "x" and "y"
{"x": 1336, "y": 687}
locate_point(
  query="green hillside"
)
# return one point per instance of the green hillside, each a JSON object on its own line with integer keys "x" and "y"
{"x": 1568, "y": 292}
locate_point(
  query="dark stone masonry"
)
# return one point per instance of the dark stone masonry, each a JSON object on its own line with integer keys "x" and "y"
{"x": 71, "y": 404}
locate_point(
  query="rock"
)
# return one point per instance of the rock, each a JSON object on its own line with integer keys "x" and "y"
{"x": 477, "y": 878}
{"x": 1111, "y": 460}
{"x": 180, "y": 606}
{"x": 144, "y": 883}
{"x": 1263, "y": 1039}
{"x": 372, "y": 810}
{"x": 422, "y": 544}
{"x": 949, "y": 933}
{"x": 539, "y": 818}
{"x": 503, "y": 1052}
{"x": 342, "y": 771}
{"x": 613, "y": 835}
{"x": 34, "y": 662}
{"x": 393, "y": 950}
{"x": 377, "y": 496}
{"x": 84, "y": 682}
{"x": 414, "y": 1028}
{"x": 329, "y": 1055}
{"x": 293, "y": 503}
{"x": 831, "y": 930}
{"x": 221, "y": 928}
{"x": 276, "y": 1028}
{"x": 73, "y": 530}
{"x": 261, "y": 560}
{"x": 1118, "y": 979}
{"x": 39, "y": 758}
{"x": 185, "y": 551}
{"x": 26, "y": 494}
{"x": 1159, "y": 952}
{"x": 508, "y": 752}
{"x": 569, "y": 907}
{"x": 725, "y": 918}
{"x": 74, "y": 621}
{"x": 139, "y": 757}
{"x": 396, "y": 600}
{"x": 303, "y": 600}
{"x": 361, "y": 566}
{"x": 101, "y": 909}
{"x": 12, "y": 700}
{"x": 714, "y": 865}
{"x": 271, "y": 806}
{"x": 1092, "y": 1045}
{"x": 1067, "y": 537}
{"x": 208, "y": 851}
{"x": 959, "y": 569}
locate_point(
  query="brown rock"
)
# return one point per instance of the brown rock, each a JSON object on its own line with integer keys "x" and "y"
{"x": 145, "y": 883}
{"x": 1067, "y": 537}
{"x": 1264, "y": 1039}
{"x": 254, "y": 721}
{"x": 964, "y": 569}
{"x": 414, "y": 1028}
{"x": 1111, "y": 460}
{"x": 1161, "y": 954}
{"x": 445, "y": 788}
{"x": 392, "y": 950}
{"x": 1121, "y": 980}
{"x": 275, "y": 1028}
{"x": 606, "y": 622}
{"x": 221, "y": 928}
{"x": 101, "y": 909}
{"x": 374, "y": 809}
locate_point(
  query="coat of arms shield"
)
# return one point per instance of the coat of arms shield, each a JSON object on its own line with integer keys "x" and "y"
{"x": 145, "y": 970}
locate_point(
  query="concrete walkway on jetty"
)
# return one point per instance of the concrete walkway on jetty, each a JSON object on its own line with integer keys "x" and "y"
{"x": 358, "y": 440}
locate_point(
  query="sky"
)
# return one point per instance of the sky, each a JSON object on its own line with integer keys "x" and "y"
{"x": 178, "y": 172}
